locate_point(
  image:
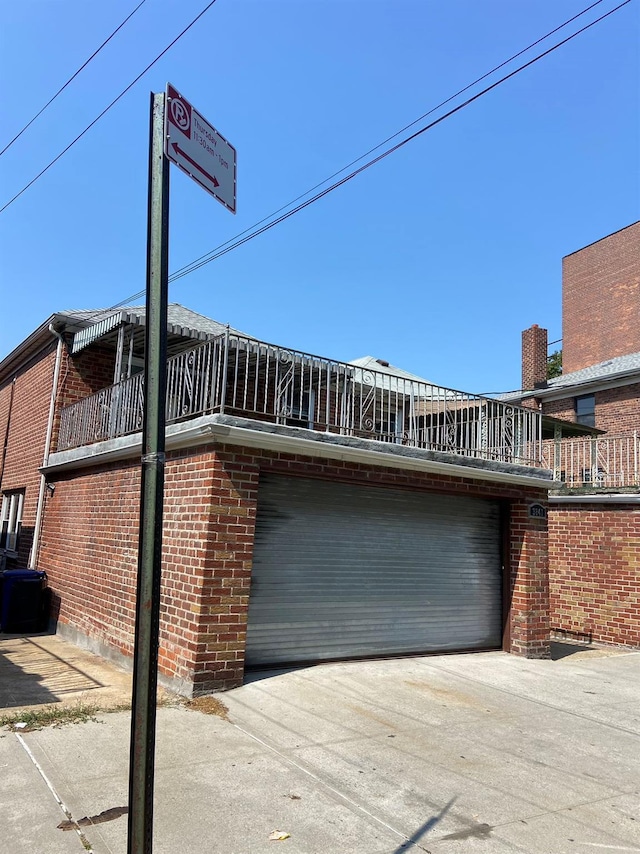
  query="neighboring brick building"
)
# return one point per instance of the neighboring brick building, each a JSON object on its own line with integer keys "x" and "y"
{"x": 313, "y": 509}
{"x": 594, "y": 513}
{"x": 601, "y": 300}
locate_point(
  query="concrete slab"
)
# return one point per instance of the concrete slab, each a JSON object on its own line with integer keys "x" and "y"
{"x": 215, "y": 787}
{"x": 29, "y": 814}
{"x": 443, "y": 754}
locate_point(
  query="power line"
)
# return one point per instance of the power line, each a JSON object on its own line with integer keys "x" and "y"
{"x": 221, "y": 250}
{"x": 218, "y": 254}
{"x": 73, "y": 76}
{"x": 393, "y": 136}
{"x": 106, "y": 109}
{"x": 204, "y": 259}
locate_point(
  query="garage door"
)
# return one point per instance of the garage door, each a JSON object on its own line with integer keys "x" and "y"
{"x": 345, "y": 571}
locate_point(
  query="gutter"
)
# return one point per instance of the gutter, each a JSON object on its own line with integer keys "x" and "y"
{"x": 33, "y": 555}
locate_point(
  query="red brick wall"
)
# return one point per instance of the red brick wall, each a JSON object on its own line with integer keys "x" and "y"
{"x": 90, "y": 553}
{"x": 25, "y": 431}
{"x": 594, "y": 569}
{"x": 601, "y": 300}
{"x": 564, "y": 409}
{"x": 617, "y": 409}
{"x": 85, "y": 373}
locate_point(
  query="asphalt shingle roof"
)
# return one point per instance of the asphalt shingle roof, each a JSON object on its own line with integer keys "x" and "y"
{"x": 177, "y": 315}
{"x": 372, "y": 364}
{"x": 621, "y": 364}
{"x": 603, "y": 371}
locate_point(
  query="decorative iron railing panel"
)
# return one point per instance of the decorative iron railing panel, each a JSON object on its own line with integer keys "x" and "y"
{"x": 598, "y": 461}
{"x": 249, "y": 378}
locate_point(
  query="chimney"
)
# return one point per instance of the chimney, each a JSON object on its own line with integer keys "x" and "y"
{"x": 534, "y": 358}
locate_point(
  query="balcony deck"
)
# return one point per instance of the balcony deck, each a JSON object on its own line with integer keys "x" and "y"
{"x": 236, "y": 376}
{"x": 598, "y": 463}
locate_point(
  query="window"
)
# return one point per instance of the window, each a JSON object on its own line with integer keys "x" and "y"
{"x": 391, "y": 428}
{"x": 300, "y": 410}
{"x": 11, "y": 520}
{"x": 586, "y": 410}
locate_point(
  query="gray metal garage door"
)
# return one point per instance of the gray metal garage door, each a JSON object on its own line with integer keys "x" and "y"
{"x": 346, "y": 571}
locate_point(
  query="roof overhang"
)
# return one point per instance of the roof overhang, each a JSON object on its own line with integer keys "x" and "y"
{"x": 106, "y": 332}
{"x": 39, "y": 339}
{"x": 620, "y": 378}
{"x": 225, "y": 429}
{"x": 569, "y": 428}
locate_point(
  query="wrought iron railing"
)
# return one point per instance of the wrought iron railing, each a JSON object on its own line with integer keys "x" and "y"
{"x": 244, "y": 377}
{"x": 113, "y": 411}
{"x": 598, "y": 461}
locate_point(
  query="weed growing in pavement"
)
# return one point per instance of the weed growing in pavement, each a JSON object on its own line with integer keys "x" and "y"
{"x": 208, "y": 706}
{"x": 49, "y": 716}
{"x": 79, "y": 713}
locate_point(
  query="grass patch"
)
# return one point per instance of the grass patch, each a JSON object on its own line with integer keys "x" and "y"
{"x": 49, "y": 716}
{"x": 209, "y": 706}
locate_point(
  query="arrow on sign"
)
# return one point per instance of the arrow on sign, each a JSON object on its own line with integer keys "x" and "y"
{"x": 197, "y": 166}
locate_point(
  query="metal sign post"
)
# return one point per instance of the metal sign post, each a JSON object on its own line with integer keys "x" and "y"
{"x": 145, "y": 667}
{"x": 179, "y": 133}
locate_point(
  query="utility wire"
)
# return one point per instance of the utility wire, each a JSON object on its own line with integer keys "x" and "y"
{"x": 106, "y": 109}
{"x": 217, "y": 253}
{"x": 393, "y": 136}
{"x": 73, "y": 76}
{"x": 204, "y": 259}
{"x": 351, "y": 175}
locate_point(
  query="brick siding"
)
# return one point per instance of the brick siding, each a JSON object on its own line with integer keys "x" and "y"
{"x": 25, "y": 430}
{"x": 594, "y": 568}
{"x": 601, "y": 300}
{"x": 617, "y": 409}
{"x": 90, "y": 553}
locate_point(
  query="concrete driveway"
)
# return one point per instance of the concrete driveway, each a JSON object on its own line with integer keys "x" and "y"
{"x": 461, "y": 753}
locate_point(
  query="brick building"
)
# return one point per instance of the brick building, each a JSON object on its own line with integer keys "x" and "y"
{"x": 594, "y": 513}
{"x": 314, "y": 509}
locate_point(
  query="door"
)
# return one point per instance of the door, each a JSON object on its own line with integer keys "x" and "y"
{"x": 344, "y": 571}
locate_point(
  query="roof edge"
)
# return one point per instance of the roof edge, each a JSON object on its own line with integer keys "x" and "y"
{"x": 600, "y": 239}
{"x": 29, "y": 347}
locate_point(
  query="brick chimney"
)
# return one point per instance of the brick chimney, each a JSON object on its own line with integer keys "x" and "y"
{"x": 534, "y": 358}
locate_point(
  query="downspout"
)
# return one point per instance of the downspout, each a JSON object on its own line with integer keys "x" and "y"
{"x": 33, "y": 556}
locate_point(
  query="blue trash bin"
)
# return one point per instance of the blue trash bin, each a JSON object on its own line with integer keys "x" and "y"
{"x": 22, "y": 608}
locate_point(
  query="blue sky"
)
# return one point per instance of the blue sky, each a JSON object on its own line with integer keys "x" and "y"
{"x": 435, "y": 259}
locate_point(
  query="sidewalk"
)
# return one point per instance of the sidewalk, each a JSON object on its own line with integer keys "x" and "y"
{"x": 43, "y": 669}
{"x": 444, "y": 754}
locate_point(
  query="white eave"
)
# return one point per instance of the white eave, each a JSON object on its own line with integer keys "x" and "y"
{"x": 222, "y": 429}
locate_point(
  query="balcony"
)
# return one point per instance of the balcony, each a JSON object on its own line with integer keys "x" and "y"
{"x": 594, "y": 463}
{"x": 250, "y": 379}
